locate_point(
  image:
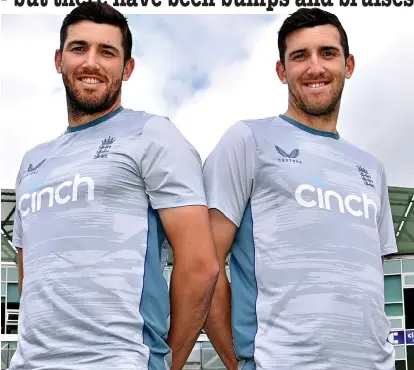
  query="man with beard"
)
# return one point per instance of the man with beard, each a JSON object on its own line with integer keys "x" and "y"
{"x": 306, "y": 217}
{"x": 94, "y": 207}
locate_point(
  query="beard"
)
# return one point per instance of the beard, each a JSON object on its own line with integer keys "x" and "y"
{"x": 81, "y": 103}
{"x": 313, "y": 107}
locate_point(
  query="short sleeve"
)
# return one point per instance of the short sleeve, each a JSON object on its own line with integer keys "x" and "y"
{"x": 170, "y": 166}
{"x": 17, "y": 239}
{"x": 386, "y": 226}
{"x": 229, "y": 171}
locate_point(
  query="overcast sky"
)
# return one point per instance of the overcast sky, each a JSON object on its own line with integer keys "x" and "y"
{"x": 205, "y": 73}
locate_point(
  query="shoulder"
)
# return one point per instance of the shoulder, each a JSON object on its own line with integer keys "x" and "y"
{"x": 361, "y": 155}
{"x": 151, "y": 123}
{"x": 248, "y": 131}
{"x": 159, "y": 134}
{"x": 246, "y": 128}
{"x": 40, "y": 152}
{"x": 34, "y": 158}
{"x": 262, "y": 122}
{"x": 369, "y": 167}
{"x": 140, "y": 120}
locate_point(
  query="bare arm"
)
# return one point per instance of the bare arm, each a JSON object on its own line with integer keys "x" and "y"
{"x": 218, "y": 324}
{"x": 20, "y": 268}
{"x": 193, "y": 278}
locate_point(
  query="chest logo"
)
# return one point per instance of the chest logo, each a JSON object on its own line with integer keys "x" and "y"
{"x": 104, "y": 148}
{"x": 70, "y": 190}
{"x": 357, "y": 205}
{"x": 366, "y": 177}
{"x": 288, "y": 157}
{"x": 32, "y": 170}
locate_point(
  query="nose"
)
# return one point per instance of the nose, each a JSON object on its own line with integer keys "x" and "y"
{"x": 91, "y": 60}
{"x": 315, "y": 66}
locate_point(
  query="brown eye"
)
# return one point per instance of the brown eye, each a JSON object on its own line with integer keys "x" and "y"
{"x": 78, "y": 48}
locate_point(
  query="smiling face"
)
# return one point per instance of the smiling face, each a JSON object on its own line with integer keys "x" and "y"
{"x": 92, "y": 66}
{"x": 315, "y": 69}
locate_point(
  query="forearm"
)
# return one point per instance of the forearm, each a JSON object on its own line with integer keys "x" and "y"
{"x": 20, "y": 286}
{"x": 20, "y": 270}
{"x": 190, "y": 294}
{"x": 218, "y": 323}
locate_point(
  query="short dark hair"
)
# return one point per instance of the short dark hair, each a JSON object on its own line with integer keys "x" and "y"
{"x": 309, "y": 17}
{"x": 102, "y": 13}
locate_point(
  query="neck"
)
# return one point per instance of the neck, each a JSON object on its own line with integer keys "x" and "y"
{"x": 80, "y": 118}
{"x": 327, "y": 122}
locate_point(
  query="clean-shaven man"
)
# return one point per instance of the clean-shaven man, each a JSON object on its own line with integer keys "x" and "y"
{"x": 306, "y": 217}
{"x": 94, "y": 207}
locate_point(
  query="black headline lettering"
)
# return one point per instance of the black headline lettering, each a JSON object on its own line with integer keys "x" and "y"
{"x": 30, "y": 3}
{"x": 316, "y": 3}
{"x": 70, "y": 3}
{"x": 194, "y": 3}
{"x": 347, "y": 3}
{"x": 269, "y": 4}
{"x": 57, "y": 3}
{"x": 387, "y": 3}
{"x": 135, "y": 3}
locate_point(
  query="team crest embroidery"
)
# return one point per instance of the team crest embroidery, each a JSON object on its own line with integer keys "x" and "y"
{"x": 366, "y": 177}
{"x": 104, "y": 148}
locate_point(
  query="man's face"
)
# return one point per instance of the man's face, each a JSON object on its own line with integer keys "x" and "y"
{"x": 92, "y": 66}
{"x": 315, "y": 69}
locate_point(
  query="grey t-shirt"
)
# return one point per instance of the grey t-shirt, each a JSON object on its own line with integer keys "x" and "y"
{"x": 313, "y": 219}
{"x": 94, "y": 296}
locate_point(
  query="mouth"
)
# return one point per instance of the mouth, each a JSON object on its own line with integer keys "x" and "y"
{"x": 92, "y": 81}
{"x": 316, "y": 85}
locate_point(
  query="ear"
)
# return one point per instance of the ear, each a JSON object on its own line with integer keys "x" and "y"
{"x": 128, "y": 69}
{"x": 281, "y": 72}
{"x": 350, "y": 66}
{"x": 58, "y": 61}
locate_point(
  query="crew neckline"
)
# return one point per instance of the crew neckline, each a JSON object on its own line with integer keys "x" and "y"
{"x": 94, "y": 122}
{"x": 309, "y": 129}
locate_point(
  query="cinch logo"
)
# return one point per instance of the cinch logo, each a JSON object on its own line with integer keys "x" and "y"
{"x": 324, "y": 199}
{"x": 30, "y": 203}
